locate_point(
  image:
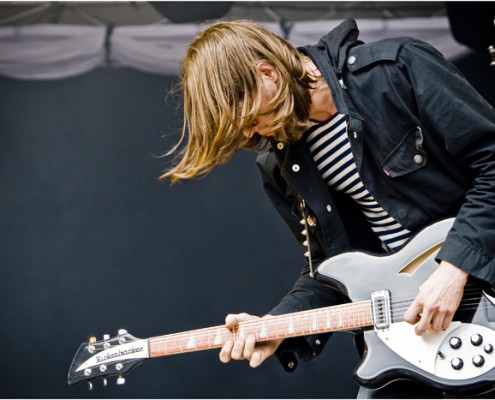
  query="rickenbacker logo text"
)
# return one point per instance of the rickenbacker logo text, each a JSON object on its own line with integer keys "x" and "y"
{"x": 118, "y": 354}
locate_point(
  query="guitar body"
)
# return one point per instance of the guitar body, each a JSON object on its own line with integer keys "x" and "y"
{"x": 460, "y": 360}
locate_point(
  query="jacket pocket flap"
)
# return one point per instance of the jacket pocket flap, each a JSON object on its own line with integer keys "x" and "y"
{"x": 408, "y": 156}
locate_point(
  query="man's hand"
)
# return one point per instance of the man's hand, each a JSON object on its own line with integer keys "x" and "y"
{"x": 438, "y": 299}
{"x": 246, "y": 348}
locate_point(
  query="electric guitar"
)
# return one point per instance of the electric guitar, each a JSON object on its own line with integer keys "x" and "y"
{"x": 457, "y": 361}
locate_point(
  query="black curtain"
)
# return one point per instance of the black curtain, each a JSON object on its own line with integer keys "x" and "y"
{"x": 90, "y": 242}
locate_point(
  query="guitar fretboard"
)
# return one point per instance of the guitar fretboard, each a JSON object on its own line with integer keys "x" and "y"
{"x": 328, "y": 319}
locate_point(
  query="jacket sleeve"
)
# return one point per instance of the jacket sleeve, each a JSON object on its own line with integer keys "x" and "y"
{"x": 307, "y": 292}
{"x": 454, "y": 111}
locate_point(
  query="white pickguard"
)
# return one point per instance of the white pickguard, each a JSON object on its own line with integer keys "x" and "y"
{"x": 432, "y": 352}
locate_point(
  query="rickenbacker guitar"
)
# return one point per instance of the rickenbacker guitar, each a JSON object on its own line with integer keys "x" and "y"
{"x": 456, "y": 361}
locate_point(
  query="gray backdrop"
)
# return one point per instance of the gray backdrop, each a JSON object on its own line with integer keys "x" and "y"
{"x": 90, "y": 242}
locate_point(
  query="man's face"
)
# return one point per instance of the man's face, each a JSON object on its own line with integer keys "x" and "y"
{"x": 263, "y": 123}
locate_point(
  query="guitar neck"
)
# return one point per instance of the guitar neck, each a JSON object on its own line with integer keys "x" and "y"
{"x": 328, "y": 319}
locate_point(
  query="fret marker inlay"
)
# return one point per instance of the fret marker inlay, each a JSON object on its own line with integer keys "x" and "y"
{"x": 262, "y": 333}
{"x": 192, "y": 343}
{"x": 218, "y": 338}
{"x": 290, "y": 329}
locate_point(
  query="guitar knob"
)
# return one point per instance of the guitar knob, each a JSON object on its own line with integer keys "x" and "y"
{"x": 476, "y": 339}
{"x": 120, "y": 380}
{"x": 455, "y": 342}
{"x": 478, "y": 360}
{"x": 457, "y": 363}
{"x": 488, "y": 348}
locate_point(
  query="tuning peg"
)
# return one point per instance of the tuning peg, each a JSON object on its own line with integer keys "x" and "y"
{"x": 91, "y": 347}
{"x": 120, "y": 380}
{"x": 122, "y": 332}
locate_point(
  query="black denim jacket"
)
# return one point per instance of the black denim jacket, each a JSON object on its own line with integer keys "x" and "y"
{"x": 424, "y": 143}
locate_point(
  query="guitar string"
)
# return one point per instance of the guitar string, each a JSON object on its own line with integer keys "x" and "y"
{"x": 246, "y": 325}
{"x": 299, "y": 328}
{"x": 471, "y": 293}
{"x": 317, "y": 315}
{"x": 301, "y": 331}
{"x": 462, "y": 307}
{"x": 200, "y": 334}
{"x": 469, "y": 288}
{"x": 203, "y": 341}
{"x": 308, "y": 313}
{"x": 297, "y": 332}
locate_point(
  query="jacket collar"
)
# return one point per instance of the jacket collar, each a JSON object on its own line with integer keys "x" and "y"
{"x": 330, "y": 55}
{"x": 337, "y": 42}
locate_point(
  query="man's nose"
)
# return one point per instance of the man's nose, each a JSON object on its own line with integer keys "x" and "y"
{"x": 250, "y": 131}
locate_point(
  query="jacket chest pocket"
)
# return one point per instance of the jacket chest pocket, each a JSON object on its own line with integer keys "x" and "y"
{"x": 408, "y": 156}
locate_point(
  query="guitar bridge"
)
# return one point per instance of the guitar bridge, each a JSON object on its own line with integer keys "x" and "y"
{"x": 380, "y": 303}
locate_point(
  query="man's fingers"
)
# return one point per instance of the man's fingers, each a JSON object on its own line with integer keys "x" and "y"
{"x": 249, "y": 347}
{"x": 256, "y": 359}
{"x": 238, "y": 349}
{"x": 438, "y": 299}
{"x": 231, "y": 321}
{"x": 423, "y": 324}
{"x": 413, "y": 313}
{"x": 225, "y": 352}
{"x": 245, "y": 347}
{"x": 438, "y": 322}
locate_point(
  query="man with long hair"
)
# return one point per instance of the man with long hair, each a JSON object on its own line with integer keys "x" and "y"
{"x": 368, "y": 143}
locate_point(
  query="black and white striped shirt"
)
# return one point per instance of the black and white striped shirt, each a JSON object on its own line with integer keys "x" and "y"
{"x": 331, "y": 150}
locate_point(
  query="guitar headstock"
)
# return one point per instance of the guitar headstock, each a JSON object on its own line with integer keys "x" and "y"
{"x": 109, "y": 357}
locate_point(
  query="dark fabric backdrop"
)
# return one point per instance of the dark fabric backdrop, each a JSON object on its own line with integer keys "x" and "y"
{"x": 90, "y": 242}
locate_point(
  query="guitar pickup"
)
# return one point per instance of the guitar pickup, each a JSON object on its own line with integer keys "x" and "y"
{"x": 380, "y": 303}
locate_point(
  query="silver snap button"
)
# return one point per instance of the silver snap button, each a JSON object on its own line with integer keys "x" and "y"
{"x": 280, "y": 146}
{"x": 418, "y": 159}
{"x": 296, "y": 168}
{"x": 317, "y": 342}
{"x": 329, "y": 208}
{"x": 351, "y": 60}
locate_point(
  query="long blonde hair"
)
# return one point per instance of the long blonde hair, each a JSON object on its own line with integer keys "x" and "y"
{"x": 222, "y": 94}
